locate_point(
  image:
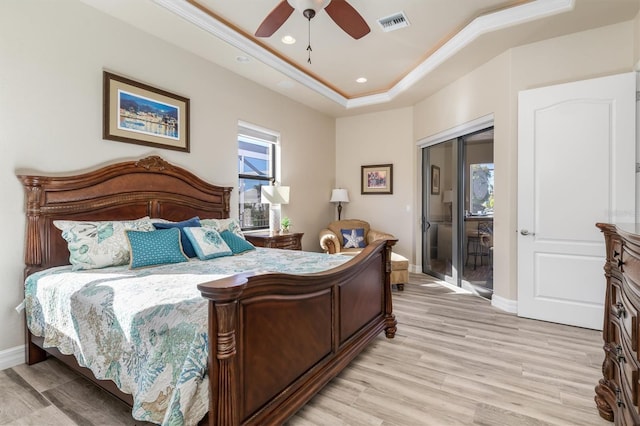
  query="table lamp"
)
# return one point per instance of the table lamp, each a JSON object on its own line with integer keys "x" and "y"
{"x": 339, "y": 196}
{"x": 275, "y": 196}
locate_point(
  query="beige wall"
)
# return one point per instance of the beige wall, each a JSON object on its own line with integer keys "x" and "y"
{"x": 482, "y": 92}
{"x": 636, "y": 42}
{"x": 379, "y": 138}
{"x": 493, "y": 89}
{"x": 52, "y": 55}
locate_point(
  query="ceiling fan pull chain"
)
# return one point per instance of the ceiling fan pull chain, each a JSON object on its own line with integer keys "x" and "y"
{"x": 309, "y": 49}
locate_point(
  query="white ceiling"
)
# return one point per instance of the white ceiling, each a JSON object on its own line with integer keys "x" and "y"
{"x": 445, "y": 40}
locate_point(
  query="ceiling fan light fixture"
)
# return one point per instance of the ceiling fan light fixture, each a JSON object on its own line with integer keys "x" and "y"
{"x": 304, "y": 5}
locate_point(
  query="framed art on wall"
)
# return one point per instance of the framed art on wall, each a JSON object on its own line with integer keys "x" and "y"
{"x": 435, "y": 180}
{"x": 377, "y": 179}
{"x": 137, "y": 113}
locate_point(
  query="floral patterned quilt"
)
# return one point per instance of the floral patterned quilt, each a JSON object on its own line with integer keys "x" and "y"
{"x": 146, "y": 329}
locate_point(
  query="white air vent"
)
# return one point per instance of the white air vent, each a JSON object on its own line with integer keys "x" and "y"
{"x": 393, "y": 22}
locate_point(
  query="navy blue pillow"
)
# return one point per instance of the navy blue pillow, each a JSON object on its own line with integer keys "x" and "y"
{"x": 353, "y": 238}
{"x": 187, "y": 247}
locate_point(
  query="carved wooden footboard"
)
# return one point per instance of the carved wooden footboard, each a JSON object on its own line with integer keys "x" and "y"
{"x": 280, "y": 338}
{"x": 275, "y": 339}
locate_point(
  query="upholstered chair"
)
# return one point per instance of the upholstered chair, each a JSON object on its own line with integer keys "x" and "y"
{"x": 332, "y": 240}
{"x": 350, "y": 236}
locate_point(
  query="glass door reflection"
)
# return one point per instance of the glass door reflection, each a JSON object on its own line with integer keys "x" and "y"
{"x": 477, "y": 234}
{"x": 439, "y": 251}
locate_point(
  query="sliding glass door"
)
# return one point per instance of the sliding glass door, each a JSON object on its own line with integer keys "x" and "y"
{"x": 440, "y": 170}
{"x": 457, "y": 211}
{"x": 477, "y": 234}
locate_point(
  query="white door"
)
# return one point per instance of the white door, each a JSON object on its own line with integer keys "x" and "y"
{"x": 576, "y": 167}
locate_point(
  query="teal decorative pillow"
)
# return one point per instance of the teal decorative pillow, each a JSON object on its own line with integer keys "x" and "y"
{"x": 235, "y": 243}
{"x": 186, "y": 244}
{"x": 155, "y": 247}
{"x": 353, "y": 238}
{"x": 94, "y": 245}
{"x": 220, "y": 225}
{"x": 207, "y": 243}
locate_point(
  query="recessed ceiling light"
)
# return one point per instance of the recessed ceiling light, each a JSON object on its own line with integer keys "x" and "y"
{"x": 243, "y": 59}
{"x": 361, "y": 80}
{"x": 288, "y": 39}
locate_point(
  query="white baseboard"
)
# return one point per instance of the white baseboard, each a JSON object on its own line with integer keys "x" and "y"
{"x": 12, "y": 357}
{"x": 503, "y": 304}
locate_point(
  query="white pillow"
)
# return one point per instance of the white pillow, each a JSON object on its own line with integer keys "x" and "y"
{"x": 207, "y": 243}
{"x": 99, "y": 244}
{"x": 221, "y": 225}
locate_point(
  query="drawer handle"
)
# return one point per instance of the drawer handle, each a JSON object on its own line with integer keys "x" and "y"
{"x": 619, "y": 401}
{"x": 619, "y": 354}
{"x": 620, "y": 311}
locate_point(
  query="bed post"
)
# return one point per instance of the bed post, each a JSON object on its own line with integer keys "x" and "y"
{"x": 33, "y": 249}
{"x": 389, "y": 318}
{"x": 32, "y": 253}
{"x": 224, "y": 384}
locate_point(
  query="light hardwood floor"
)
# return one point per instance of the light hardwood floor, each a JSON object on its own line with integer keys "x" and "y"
{"x": 455, "y": 360}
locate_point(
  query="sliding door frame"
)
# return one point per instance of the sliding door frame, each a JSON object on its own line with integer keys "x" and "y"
{"x": 457, "y": 132}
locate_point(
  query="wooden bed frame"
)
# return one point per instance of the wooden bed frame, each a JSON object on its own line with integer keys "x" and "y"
{"x": 275, "y": 339}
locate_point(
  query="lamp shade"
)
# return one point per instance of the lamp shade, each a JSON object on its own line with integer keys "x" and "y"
{"x": 447, "y": 196}
{"x": 339, "y": 196}
{"x": 275, "y": 194}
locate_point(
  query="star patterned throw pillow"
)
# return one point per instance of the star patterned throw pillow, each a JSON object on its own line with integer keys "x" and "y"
{"x": 353, "y": 238}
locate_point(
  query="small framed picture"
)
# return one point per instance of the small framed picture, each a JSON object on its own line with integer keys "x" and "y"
{"x": 435, "y": 180}
{"x": 377, "y": 179}
{"x": 134, "y": 112}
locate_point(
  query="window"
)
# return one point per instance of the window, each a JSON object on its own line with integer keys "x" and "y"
{"x": 481, "y": 187}
{"x": 256, "y": 167}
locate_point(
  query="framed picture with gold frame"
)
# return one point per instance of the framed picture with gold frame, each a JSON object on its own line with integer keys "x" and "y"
{"x": 137, "y": 113}
{"x": 377, "y": 179}
{"x": 435, "y": 180}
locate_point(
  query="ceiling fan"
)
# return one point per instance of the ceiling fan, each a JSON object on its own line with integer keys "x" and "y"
{"x": 340, "y": 11}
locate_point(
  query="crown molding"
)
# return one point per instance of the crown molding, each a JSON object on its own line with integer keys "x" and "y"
{"x": 527, "y": 12}
{"x": 216, "y": 28}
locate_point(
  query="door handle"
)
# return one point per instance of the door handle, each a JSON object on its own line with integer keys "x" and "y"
{"x": 526, "y": 232}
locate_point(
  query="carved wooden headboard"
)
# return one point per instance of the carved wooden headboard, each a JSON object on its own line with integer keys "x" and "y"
{"x": 123, "y": 191}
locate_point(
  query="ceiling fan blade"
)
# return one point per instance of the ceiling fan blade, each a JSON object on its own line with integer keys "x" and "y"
{"x": 274, "y": 19}
{"x": 347, "y": 18}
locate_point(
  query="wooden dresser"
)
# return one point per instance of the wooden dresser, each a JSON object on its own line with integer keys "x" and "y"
{"x": 617, "y": 395}
{"x": 289, "y": 240}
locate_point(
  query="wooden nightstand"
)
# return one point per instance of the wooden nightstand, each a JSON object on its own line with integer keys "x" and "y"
{"x": 290, "y": 240}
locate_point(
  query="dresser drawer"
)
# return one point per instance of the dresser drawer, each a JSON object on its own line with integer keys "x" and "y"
{"x": 629, "y": 371}
{"x": 623, "y": 311}
{"x": 292, "y": 241}
{"x": 629, "y": 407}
{"x": 286, "y": 242}
{"x": 630, "y": 264}
{"x": 626, "y": 411}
